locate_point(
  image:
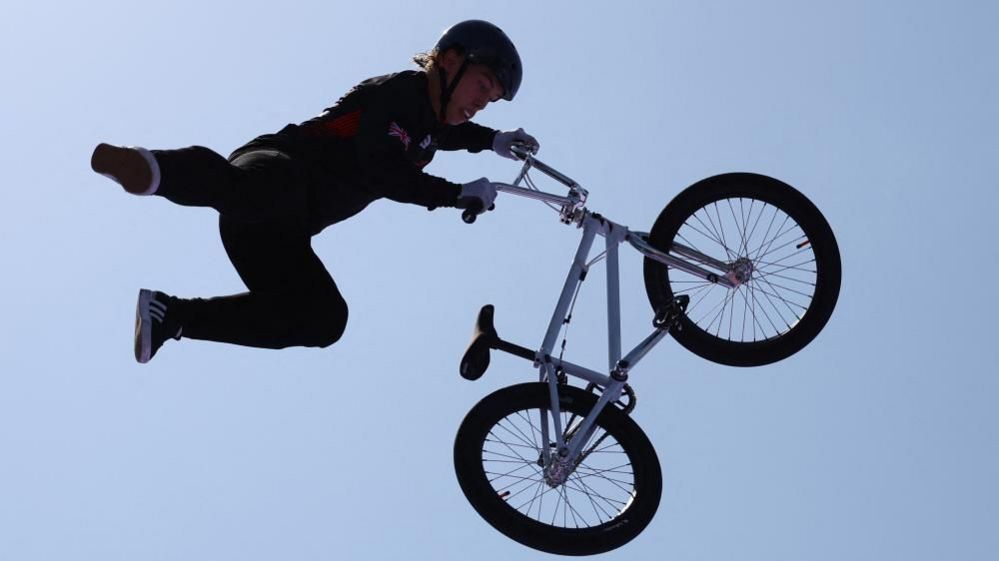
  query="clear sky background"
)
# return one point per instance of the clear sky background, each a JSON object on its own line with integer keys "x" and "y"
{"x": 878, "y": 441}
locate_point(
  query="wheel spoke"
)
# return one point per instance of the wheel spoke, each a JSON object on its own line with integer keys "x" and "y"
{"x": 597, "y": 508}
{"x": 510, "y": 460}
{"x": 786, "y": 289}
{"x": 712, "y": 237}
{"x": 538, "y": 496}
{"x": 795, "y": 268}
{"x": 506, "y": 444}
{"x": 792, "y": 242}
{"x": 527, "y": 438}
{"x": 766, "y": 247}
{"x": 738, "y": 227}
{"x": 513, "y": 433}
{"x": 755, "y": 224}
{"x": 585, "y": 489}
{"x": 591, "y": 495}
{"x": 721, "y": 230}
{"x": 619, "y": 483}
{"x": 535, "y": 433}
{"x": 710, "y": 225}
{"x": 787, "y": 303}
{"x": 510, "y": 475}
{"x": 766, "y": 235}
{"x": 776, "y": 309}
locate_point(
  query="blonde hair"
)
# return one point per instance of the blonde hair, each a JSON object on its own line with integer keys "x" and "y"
{"x": 427, "y": 61}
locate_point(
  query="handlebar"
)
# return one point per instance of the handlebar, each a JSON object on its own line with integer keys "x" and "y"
{"x": 569, "y": 204}
{"x": 522, "y": 152}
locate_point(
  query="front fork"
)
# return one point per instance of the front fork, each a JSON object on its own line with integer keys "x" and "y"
{"x": 560, "y": 456}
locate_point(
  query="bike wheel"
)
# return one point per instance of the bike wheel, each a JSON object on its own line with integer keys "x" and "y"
{"x": 778, "y": 246}
{"x": 610, "y": 497}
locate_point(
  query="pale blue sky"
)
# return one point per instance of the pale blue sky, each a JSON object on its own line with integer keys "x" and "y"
{"x": 876, "y": 442}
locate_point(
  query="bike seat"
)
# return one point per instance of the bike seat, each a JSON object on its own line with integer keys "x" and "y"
{"x": 476, "y": 359}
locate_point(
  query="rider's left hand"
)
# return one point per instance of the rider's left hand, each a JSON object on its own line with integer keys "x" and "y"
{"x": 504, "y": 140}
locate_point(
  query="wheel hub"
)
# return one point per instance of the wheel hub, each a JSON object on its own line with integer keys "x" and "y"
{"x": 559, "y": 470}
{"x": 740, "y": 271}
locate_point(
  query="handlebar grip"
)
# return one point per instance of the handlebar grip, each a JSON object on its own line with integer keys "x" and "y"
{"x": 520, "y": 150}
{"x": 471, "y": 212}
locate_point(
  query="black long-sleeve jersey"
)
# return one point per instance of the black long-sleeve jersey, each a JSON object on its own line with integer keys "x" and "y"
{"x": 373, "y": 143}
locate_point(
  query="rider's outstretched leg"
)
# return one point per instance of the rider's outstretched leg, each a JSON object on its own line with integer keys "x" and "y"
{"x": 256, "y": 186}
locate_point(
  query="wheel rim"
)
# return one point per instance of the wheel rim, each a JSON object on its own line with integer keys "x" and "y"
{"x": 767, "y": 254}
{"x": 597, "y": 491}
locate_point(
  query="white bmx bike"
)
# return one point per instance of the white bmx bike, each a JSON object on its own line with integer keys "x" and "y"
{"x": 740, "y": 268}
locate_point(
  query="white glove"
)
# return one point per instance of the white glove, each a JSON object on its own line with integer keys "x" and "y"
{"x": 504, "y": 140}
{"x": 481, "y": 190}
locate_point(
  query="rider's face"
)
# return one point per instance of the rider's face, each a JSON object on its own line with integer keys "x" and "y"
{"x": 476, "y": 89}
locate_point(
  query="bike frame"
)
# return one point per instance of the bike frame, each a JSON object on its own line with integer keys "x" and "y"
{"x": 573, "y": 211}
{"x": 614, "y": 382}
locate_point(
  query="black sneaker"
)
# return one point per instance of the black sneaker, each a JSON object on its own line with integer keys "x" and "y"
{"x": 134, "y": 168}
{"x": 153, "y": 324}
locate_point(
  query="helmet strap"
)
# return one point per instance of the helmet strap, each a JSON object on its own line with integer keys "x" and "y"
{"x": 448, "y": 89}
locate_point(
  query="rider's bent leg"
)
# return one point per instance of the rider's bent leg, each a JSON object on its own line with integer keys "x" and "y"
{"x": 292, "y": 301}
{"x": 265, "y": 320}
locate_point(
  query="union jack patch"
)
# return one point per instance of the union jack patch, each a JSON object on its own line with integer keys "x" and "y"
{"x": 400, "y": 133}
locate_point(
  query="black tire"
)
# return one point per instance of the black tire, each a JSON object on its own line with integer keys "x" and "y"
{"x": 617, "y": 487}
{"x": 795, "y": 275}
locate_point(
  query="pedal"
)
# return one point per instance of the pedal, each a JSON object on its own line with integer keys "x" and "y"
{"x": 668, "y": 317}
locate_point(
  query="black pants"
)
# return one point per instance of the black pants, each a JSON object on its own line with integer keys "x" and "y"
{"x": 264, "y": 200}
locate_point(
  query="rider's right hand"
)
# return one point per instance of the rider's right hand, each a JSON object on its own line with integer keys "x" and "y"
{"x": 478, "y": 194}
{"x": 504, "y": 141}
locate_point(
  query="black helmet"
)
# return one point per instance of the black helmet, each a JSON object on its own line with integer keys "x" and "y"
{"x": 483, "y": 43}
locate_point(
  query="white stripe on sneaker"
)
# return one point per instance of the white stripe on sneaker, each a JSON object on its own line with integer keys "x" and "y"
{"x": 157, "y": 309}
